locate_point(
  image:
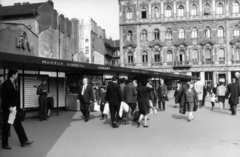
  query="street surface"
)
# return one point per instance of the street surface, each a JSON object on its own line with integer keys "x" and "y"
{"x": 211, "y": 134}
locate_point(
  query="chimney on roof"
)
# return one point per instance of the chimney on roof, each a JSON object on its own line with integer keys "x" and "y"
{"x": 25, "y": 3}
{"x": 17, "y": 4}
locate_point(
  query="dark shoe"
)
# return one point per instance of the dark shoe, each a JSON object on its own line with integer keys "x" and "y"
{"x": 138, "y": 124}
{"x": 175, "y": 106}
{"x": 86, "y": 120}
{"x": 48, "y": 116}
{"x": 115, "y": 126}
{"x": 189, "y": 120}
{"x": 45, "y": 119}
{"x": 145, "y": 126}
{"x": 6, "y": 147}
{"x": 27, "y": 143}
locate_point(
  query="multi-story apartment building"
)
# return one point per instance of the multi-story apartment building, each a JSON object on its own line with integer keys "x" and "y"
{"x": 195, "y": 37}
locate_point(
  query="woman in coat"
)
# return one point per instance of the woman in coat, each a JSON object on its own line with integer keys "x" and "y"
{"x": 178, "y": 95}
{"x": 190, "y": 100}
{"x": 143, "y": 101}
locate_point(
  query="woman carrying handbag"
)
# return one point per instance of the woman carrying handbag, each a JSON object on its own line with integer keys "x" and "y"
{"x": 190, "y": 100}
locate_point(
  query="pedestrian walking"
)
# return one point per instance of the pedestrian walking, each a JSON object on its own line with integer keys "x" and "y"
{"x": 114, "y": 97}
{"x": 143, "y": 101}
{"x": 9, "y": 96}
{"x": 178, "y": 95}
{"x": 204, "y": 95}
{"x": 233, "y": 95}
{"x": 1, "y": 114}
{"x": 85, "y": 96}
{"x": 213, "y": 99}
{"x": 102, "y": 101}
{"x": 130, "y": 95}
{"x": 221, "y": 93}
{"x": 190, "y": 100}
{"x": 42, "y": 99}
{"x": 198, "y": 86}
{"x": 162, "y": 95}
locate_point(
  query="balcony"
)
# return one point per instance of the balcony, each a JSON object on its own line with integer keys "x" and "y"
{"x": 182, "y": 64}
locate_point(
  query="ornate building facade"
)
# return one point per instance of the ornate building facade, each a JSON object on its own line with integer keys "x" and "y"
{"x": 194, "y": 37}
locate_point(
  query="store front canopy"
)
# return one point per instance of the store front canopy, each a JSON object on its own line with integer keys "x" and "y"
{"x": 55, "y": 65}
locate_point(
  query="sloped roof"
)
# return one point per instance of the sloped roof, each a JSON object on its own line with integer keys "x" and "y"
{"x": 112, "y": 43}
{"x": 20, "y": 9}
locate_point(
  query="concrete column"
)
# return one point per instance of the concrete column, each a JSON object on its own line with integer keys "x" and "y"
{"x": 229, "y": 77}
{"x": 202, "y": 76}
{"x": 162, "y": 10}
{"x": 138, "y": 14}
{"x": 122, "y": 56}
{"x": 174, "y": 9}
{"x": 200, "y": 8}
{"x": 137, "y": 54}
{"x": 187, "y": 7}
{"x": 214, "y": 8}
{"x": 149, "y": 11}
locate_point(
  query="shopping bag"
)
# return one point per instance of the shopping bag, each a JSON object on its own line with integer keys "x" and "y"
{"x": 106, "y": 109}
{"x": 96, "y": 107}
{"x": 166, "y": 98}
{"x": 154, "y": 111}
{"x": 182, "y": 109}
{"x": 136, "y": 116}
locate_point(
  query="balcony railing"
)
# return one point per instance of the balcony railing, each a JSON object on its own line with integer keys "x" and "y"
{"x": 182, "y": 64}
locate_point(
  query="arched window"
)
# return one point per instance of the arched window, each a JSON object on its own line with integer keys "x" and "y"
{"x": 156, "y": 12}
{"x": 194, "y": 32}
{"x": 130, "y": 57}
{"x": 208, "y": 56}
{"x": 156, "y": 34}
{"x": 168, "y": 12}
{"x": 144, "y": 35}
{"x": 181, "y": 34}
{"x": 236, "y": 32}
{"x": 181, "y": 11}
{"x": 207, "y": 9}
{"x": 220, "y": 9}
{"x": 221, "y": 55}
{"x": 157, "y": 56}
{"x": 144, "y": 57}
{"x": 144, "y": 13}
{"x": 129, "y": 35}
{"x": 194, "y": 10}
{"x": 129, "y": 13}
{"x": 195, "y": 55}
{"x": 220, "y": 32}
{"x": 235, "y": 7}
{"x": 168, "y": 34}
{"x": 208, "y": 32}
{"x": 169, "y": 56}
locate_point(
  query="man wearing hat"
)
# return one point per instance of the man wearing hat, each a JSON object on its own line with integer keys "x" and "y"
{"x": 42, "y": 99}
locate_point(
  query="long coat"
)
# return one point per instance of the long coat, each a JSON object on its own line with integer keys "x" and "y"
{"x": 185, "y": 98}
{"x": 114, "y": 94}
{"x": 199, "y": 89}
{"x": 234, "y": 92}
{"x": 87, "y": 95}
{"x": 178, "y": 95}
{"x": 161, "y": 91}
{"x": 130, "y": 93}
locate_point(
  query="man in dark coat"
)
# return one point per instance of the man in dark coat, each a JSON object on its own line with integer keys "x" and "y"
{"x": 114, "y": 97}
{"x": 9, "y": 96}
{"x": 130, "y": 97}
{"x": 233, "y": 94}
{"x": 85, "y": 95}
{"x": 162, "y": 94}
{"x": 42, "y": 99}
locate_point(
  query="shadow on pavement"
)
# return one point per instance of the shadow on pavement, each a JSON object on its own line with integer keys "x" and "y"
{"x": 178, "y": 116}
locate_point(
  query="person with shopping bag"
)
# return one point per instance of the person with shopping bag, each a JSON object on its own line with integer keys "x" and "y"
{"x": 114, "y": 97}
{"x": 143, "y": 101}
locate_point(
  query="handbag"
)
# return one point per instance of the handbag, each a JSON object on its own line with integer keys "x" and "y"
{"x": 182, "y": 110}
{"x": 106, "y": 109}
{"x": 195, "y": 107}
{"x": 91, "y": 107}
{"x": 21, "y": 114}
{"x": 96, "y": 107}
{"x": 166, "y": 98}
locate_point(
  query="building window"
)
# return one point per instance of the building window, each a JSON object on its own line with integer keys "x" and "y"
{"x": 144, "y": 13}
{"x": 194, "y": 55}
{"x": 194, "y": 32}
{"x": 207, "y": 9}
{"x": 156, "y": 34}
{"x": 208, "y": 32}
{"x": 236, "y": 32}
{"x": 129, "y": 35}
{"x": 144, "y": 35}
{"x": 220, "y": 9}
{"x": 87, "y": 49}
{"x": 144, "y": 57}
{"x": 169, "y": 56}
{"x": 129, "y": 14}
{"x": 181, "y": 11}
{"x": 168, "y": 12}
{"x": 235, "y": 7}
{"x": 208, "y": 55}
{"x": 196, "y": 74}
{"x": 130, "y": 57}
{"x": 168, "y": 34}
{"x": 194, "y": 10}
{"x": 181, "y": 34}
{"x": 86, "y": 40}
{"x": 156, "y": 12}
{"x": 220, "y": 32}
{"x": 157, "y": 56}
{"x": 221, "y": 54}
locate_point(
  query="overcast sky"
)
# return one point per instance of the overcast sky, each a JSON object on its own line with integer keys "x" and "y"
{"x": 104, "y": 12}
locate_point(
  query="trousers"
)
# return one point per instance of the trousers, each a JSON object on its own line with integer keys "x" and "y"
{"x": 42, "y": 106}
{"x": 114, "y": 110}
